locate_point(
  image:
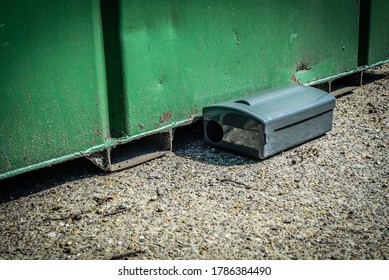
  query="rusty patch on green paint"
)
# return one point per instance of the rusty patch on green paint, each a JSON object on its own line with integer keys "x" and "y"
{"x": 294, "y": 79}
{"x": 165, "y": 116}
{"x": 194, "y": 113}
{"x": 303, "y": 66}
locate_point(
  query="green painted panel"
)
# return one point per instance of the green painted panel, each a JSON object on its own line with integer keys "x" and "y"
{"x": 73, "y": 75}
{"x": 178, "y": 56}
{"x": 52, "y": 82}
{"x": 378, "y": 32}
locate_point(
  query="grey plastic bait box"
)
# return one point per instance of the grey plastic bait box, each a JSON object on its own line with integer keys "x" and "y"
{"x": 270, "y": 121}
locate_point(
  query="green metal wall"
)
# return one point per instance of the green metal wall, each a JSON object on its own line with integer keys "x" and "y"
{"x": 52, "y": 82}
{"x": 82, "y": 76}
{"x": 178, "y": 56}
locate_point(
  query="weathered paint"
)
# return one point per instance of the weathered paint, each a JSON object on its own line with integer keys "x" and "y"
{"x": 184, "y": 54}
{"x": 74, "y": 81}
{"x": 52, "y": 83}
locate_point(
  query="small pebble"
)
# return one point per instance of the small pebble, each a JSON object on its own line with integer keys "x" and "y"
{"x": 52, "y": 234}
{"x": 239, "y": 205}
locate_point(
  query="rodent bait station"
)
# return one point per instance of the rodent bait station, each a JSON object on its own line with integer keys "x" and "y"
{"x": 269, "y": 121}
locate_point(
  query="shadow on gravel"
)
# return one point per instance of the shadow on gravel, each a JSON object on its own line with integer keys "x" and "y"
{"x": 188, "y": 142}
{"x": 371, "y": 77}
{"x": 374, "y": 74}
{"x": 46, "y": 178}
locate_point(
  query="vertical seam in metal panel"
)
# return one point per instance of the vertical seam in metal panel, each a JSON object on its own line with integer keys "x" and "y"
{"x": 110, "y": 13}
{"x": 364, "y": 27}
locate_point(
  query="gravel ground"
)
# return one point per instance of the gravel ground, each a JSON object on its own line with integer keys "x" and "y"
{"x": 325, "y": 199}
